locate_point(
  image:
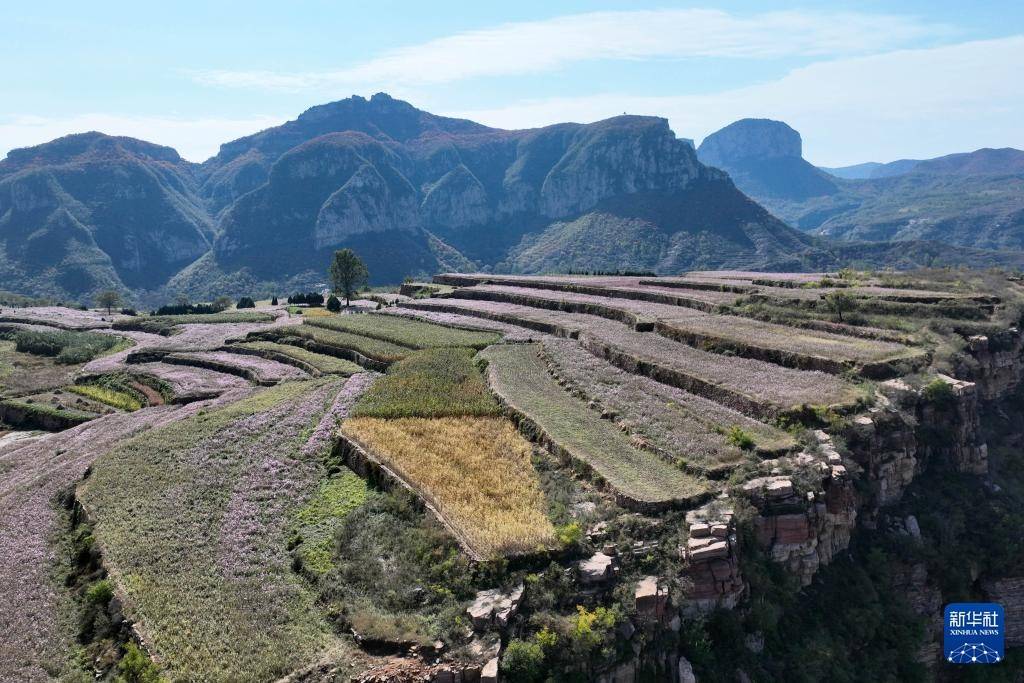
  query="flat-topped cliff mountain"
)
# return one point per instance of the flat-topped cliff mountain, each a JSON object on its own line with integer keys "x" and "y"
{"x": 973, "y": 199}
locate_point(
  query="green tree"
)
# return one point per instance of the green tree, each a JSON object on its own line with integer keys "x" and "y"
{"x": 245, "y": 302}
{"x": 839, "y": 303}
{"x": 108, "y": 299}
{"x": 221, "y": 303}
{"x": 333, "y": 305}
{"x": 348, "y": 273}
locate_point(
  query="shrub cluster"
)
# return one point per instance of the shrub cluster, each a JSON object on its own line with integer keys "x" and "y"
{"x": 310, "y": 299}
{"x": 245, "y": 302}
{"x": 67, "y": 346}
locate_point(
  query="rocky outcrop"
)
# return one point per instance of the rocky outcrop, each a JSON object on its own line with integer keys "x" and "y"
{"x": 995, "y": 364}
{"x": 711, "y": 568}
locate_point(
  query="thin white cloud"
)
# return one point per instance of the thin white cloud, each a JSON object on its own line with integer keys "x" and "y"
{"x": 537, "y": 46}
{"x": 904, "y": 103}
{"x": 195, "y": 139}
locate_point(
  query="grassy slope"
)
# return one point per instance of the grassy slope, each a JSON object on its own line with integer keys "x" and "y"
{"x": 520, "y": 376}
{"x": 192, "y": 519}
{"x": 367, "y": 346}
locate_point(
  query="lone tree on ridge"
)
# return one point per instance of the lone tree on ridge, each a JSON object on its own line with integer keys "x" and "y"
{"x": 348, "y": 273}
{"x": 108, "y": 299}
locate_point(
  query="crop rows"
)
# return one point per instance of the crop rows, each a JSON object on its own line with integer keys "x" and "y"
{"x": 756, "y": 388}
{"x": 794, "y": 347}
{"x": 511, "y": 333}
{"x": 314, "y": 363}
{"x": 616, "y": 287}
{"x": 639, "y": 478}
{"x": 355, "y": 347}
{"x": 415, "y": 334}
{"x": 685, "y": 427}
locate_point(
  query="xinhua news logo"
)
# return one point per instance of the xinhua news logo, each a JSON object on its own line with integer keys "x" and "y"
{"x": 973, "y": 633}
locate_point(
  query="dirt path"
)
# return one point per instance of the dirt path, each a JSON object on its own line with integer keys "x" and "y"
{"x": 153, "y": 397}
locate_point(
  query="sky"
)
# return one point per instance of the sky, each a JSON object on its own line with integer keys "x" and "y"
{"x": 861, "y": 81}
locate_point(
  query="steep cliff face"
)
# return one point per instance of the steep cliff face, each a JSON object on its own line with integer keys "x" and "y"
{"x": 764, "y": 159}
{"x": 90, "y": 211}
{"x": 367, "y": 173}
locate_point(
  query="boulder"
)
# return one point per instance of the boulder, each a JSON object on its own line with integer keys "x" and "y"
{"x": 597, "y": 569}
{"x": 490, "y": 671}
{"x": 651, "y": 598}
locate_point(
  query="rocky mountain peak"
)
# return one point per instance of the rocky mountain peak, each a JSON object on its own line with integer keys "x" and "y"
{"x": 750, "y": 139}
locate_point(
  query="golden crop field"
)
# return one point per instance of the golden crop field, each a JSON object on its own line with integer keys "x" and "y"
{"x": 475, "y": 470}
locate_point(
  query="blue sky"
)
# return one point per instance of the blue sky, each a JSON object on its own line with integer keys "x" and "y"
{"x": 861, "y": 81}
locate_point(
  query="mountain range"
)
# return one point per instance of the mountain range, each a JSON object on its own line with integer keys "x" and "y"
{"x": 414, "y": 193}
{"x": 971, "y": 199}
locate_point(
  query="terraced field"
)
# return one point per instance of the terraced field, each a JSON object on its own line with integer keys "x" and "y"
{"x": 639, "y": 478}
{"x": 475, "y": 471}
{"x": 296, "y": 355}
{"x": 756, "y": 388}
{"x": 200, "y": 509}
{"x": 253, "y": 368}
{"x": 685, "y": 427}
{"x": 354, "y": 347}
{"x": 788, "y": 346}
{"x": 413, "y": 334}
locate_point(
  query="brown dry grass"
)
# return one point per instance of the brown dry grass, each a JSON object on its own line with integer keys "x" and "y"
{"x": 476, "y": 470}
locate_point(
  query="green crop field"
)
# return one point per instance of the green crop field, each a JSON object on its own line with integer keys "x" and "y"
{"x": 430, "y": 383}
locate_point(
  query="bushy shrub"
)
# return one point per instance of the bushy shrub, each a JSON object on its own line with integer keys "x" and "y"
{"x": 333, "y": 304}
{"x": 245, "y": 302}
{"x": 136, "y": 667}
{"x": 129, "y": 311}
{"x": 739, "y": 438}
{"x": 100, "y": 592}
{"x": 523, "y": 661}
{"x": 273, "y": 301}
{"x": 939, "y": 392}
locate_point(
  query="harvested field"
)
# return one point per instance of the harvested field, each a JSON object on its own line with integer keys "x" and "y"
{"x": 430, "y": 383}
{"x": 296, "y": 355}
{"x": 639, "y": 478}
{"x": 686, "y": 427}
{"x": 256, "y": 369}
{"x": 193, "y": 519}
{"x": 415, "y": 334}
{"x": 354, "y": 347}
{"x": 754, "y": 387}
{"x": 786, "y": 345}
{"x": 476, "y": 471}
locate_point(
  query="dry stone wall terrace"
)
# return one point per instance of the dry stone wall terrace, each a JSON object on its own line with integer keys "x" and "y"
{"x": 786, "y": 345}
{"x": 756, "y": 388}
